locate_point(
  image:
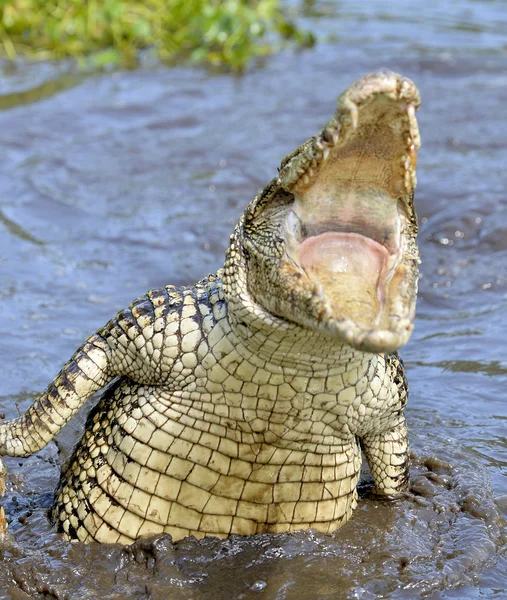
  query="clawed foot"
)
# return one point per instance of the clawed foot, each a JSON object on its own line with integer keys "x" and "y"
{"x": 374, "y": 493}
{"x": 3, "y": 522}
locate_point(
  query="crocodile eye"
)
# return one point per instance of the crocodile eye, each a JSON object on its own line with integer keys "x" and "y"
{"x": 294, "y": 226}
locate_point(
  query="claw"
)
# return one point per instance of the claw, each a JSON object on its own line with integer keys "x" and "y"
{"x": 3, "y": 522}
{"x": 3, "y": 473}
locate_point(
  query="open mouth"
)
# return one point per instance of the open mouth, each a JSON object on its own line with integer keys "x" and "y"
{"x": 351, "y": 226}
{"x": 353, "y": 256}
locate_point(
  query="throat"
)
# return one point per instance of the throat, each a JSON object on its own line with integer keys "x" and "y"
{"x": 284, "y": 348}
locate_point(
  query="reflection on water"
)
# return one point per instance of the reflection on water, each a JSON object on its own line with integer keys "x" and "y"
{"x": 121, "y": 182}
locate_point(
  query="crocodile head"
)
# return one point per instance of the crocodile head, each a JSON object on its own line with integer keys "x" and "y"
{"x": 330, "y": 243}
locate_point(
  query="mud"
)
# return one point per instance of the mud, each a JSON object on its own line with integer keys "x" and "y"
{"x": 115, "y": 183}
{"x": 442, "y": 534}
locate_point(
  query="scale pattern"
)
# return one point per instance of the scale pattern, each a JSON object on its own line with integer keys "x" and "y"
{"x": 231, "y": 443}
{"x": 243, "y": 404}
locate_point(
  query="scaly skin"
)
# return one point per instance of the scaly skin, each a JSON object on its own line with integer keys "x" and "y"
{"x": 243, "y": 402}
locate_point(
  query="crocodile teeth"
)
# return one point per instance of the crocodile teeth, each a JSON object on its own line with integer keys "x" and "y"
{"x": 327, "y": 136}
{"x": 354, "y": 115}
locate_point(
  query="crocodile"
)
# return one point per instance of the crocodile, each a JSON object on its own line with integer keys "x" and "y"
{"x": 243, "y": 404}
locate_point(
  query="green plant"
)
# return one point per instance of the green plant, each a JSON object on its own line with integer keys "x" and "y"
{"x": 225, "y": 33}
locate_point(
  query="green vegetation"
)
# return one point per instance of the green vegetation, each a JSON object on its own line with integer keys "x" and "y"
{"x": 100, "y": 33}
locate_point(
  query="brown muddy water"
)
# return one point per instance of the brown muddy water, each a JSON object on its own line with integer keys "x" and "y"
{"x": 115, "y": 183}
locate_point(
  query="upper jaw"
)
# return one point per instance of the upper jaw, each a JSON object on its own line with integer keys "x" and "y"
{"x": 351, "y": 228}
{"x": 382, "y": 99}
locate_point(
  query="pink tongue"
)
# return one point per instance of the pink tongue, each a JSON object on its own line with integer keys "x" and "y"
{"x": 350, "y": 269}
{"x": 350, "y": 253}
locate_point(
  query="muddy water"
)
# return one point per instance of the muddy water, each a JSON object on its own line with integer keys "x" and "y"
{"x": 113, "y": 184}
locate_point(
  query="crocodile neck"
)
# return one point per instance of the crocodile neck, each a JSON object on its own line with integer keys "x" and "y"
{"x": 275, "y": 385}
{"x": 284, "y": 346}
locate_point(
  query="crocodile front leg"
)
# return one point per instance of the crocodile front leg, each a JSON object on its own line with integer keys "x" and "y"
{"x": 129, "y": 345}
{"x": 388, "y": 459}
{"x": 84, "y": 374}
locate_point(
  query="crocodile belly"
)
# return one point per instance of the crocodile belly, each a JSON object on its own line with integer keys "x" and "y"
{"x": 138, "y": 470}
